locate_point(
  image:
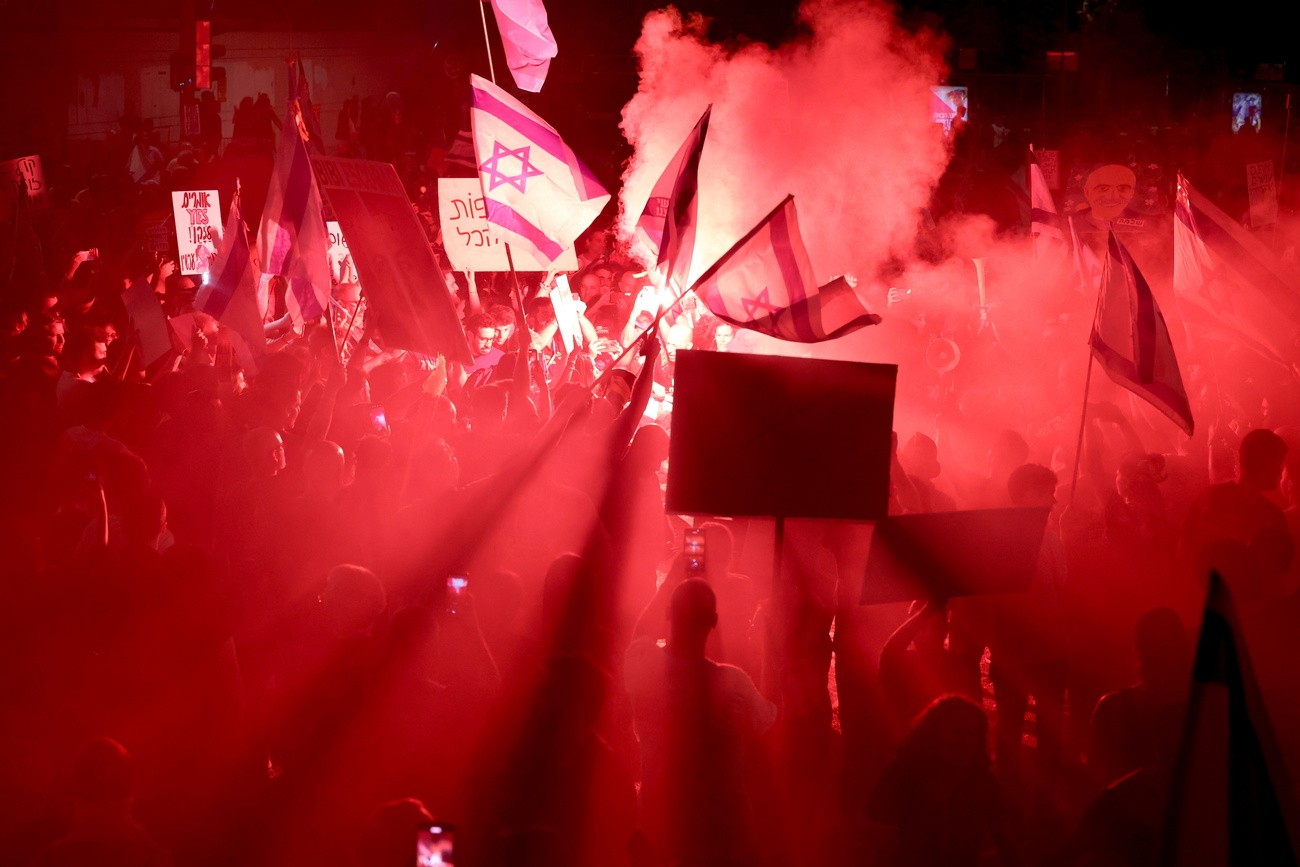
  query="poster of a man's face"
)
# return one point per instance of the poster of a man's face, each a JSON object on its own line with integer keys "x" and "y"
{"x": 1108, "y": 190}
{"x": 948, "y": 104}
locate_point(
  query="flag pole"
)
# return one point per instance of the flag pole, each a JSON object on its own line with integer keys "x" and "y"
{"x": 1083, "y": 419}
{"x": 524, "y": 343}
{"x": 487, "y": 42}
{"x": 347, "y": 332}
{"x": 1087, "y": 383}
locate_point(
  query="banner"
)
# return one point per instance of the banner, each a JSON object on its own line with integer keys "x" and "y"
{"x": 198, "y": 228}
{"x": 1262, "y": 189}
{"x": 467, "y": 237}
{"x": 404, "y": 285}
{"x": 12, "y": 173}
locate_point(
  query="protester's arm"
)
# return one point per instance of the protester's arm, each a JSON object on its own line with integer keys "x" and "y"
{"x": 589, "y": 335}
{"x": 899, "y": 481}
{"x": 471, "y": 294}
{"x": 544, "y": 338}
{"x": 892, "y": 654}
{"x": 82, "y": 257}
{"x": 626, "y": 424}
{"x": 158, "y": 279}
{"x": 322, "y": 417}
{"x": 653, "y": 621}
{"x": 462, "y": 641}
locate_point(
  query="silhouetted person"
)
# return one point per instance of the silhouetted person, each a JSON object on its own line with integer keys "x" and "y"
{"x": 915, "y": 665}
{"x": 939, "y": 795}
{"x": 565, "y": 776}
{"x": 1026, "y": 640}
{"x": 104, "y": 830}
{"x": 1128, "y": 723}
{"x": 1238, "y": 510}
{"x": 694, "y": 718}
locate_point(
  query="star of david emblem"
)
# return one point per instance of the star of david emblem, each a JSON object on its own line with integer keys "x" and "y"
{"x": 760, "y": 301}
{"x": 496, "y": 177}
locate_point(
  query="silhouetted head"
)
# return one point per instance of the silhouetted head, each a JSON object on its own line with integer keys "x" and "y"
{"x": 1261, "y": 458}
{"x": 649, "y": 448}
{"x": 354, "y": 598}
{"x": 952, "y": 733}
{"x": 568, "y": 590}
{"x": 433, "y": 470}
{"x": 324, "y": 465}
{"x": 487, "y": 408}
{"x": 264, "y": 451}
{"x": 388, "y": 839}
{"x": 717, "y": 549}
{"x": 920, "y": 457}
{"x": 692, "y": 614}
{"x": 1032, "y": 485}
{"x": 102, "y": 772}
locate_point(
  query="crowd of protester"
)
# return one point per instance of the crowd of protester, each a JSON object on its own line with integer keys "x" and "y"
{"x": 290, "y": 615}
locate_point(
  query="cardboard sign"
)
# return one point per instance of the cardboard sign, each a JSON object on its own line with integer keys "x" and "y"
{"x": 405, "y": 288}
{"x": 12, "y": 174}
{"x": 1262, "y": 189}
{"x": 785, "y": 437}
{"x": 1050, "y": 164}
{"x": 339, "y": 255}
{"x": 954, "y": 554}
{"x": 148, "y": 320}
{"x": 468, "y": 239}
{"x": 566, "y": 312}
{"x": 948, "y": 104}
{"x": 158, "y": 235}
{"x": 198, "y": 228}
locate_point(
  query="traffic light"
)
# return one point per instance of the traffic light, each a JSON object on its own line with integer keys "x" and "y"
{"x": 202, "y": 55}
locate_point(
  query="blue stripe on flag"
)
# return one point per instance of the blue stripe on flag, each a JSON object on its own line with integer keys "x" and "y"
{"x": 790, "y": 272}
{"x": 508, "y": 218}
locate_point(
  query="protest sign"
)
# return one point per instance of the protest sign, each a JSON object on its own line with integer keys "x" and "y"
{"x": 1262, "y": 189}
{"x": 404, "y": 285}
{"x": 948, "y": 104}
{"x": 566, "y": 312}
{"x": 339, "y": 255}
{"x": 183, "y": 328}
{"x": 147, "y": 318}
{"x": 158, "y": 235}
{"x": 198, "y": 228}
{"x": 12, "y": 174}
{"x": 468, "y": 240}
